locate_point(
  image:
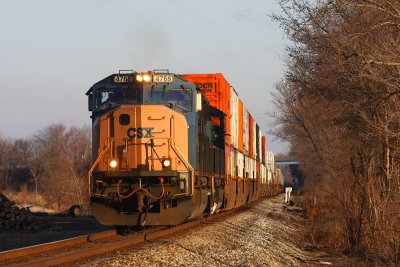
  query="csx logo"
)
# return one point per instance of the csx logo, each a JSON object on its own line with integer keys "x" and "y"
{"x": 139, "y": 133}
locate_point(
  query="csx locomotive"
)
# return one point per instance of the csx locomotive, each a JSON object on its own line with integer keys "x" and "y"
{"x": 163, "y": 149}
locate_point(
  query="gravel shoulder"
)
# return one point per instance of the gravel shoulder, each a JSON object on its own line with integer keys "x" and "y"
{"x": 265, "y": 233}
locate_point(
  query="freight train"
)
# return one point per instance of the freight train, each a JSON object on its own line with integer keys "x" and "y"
{"x": 169, "y": 148}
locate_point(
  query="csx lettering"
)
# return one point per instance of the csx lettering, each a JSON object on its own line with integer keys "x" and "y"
{"x": 139, "y": 133}
{"x": 205, "y": 87}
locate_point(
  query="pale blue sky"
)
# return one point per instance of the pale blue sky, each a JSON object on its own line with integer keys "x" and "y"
{"x": 51, "y": 52}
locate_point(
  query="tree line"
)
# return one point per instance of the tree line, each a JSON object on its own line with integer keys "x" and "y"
{"x": 51, "y": 164}
{"x": 339, "y": 107}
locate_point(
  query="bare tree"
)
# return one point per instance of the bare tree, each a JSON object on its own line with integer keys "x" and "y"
{"x": 338, "y": 105}
{"x": 62, "y": 157}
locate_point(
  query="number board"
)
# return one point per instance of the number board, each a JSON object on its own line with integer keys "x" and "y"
{"x": 123, "y": 78}
{"x": 163, "y": 78}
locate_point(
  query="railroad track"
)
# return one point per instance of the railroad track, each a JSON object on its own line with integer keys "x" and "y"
{"x": 80, "y": 248}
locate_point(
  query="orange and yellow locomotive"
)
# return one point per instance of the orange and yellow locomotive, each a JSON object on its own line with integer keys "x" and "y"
{"x": 169, "y": 148}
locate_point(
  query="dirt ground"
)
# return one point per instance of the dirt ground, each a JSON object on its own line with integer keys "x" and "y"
{"x": 266, "y": 233}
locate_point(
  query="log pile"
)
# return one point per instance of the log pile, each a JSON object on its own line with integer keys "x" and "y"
{"x": 12, "y": 217}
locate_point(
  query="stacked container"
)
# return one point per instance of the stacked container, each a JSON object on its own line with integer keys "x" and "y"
{"x": 217, "y": 91}
{"x": 270, "y": 160}
{"x": 234, "y": 118}
{"x": 244, "y": 143}
{"x": 254, "y": 138}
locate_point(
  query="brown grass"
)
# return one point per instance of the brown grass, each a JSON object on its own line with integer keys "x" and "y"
{"x": 26, "y": 198}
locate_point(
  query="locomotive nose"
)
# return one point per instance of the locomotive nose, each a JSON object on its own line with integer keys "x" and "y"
{"x": 142, "y": 138}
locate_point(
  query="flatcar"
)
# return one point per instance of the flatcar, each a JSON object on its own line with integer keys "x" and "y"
{"x": 169, "y": 148}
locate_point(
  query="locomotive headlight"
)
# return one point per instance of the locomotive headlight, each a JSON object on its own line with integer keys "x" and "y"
{"x": 146, "y": 78}
{"x": 143, "y": 77}
{"x": 139, "y": 78}
{"x": 113, "y": 163}
{"x": 166, "y": 163}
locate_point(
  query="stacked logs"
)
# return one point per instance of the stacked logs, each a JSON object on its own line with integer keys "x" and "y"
{"x": 12, "y": 217}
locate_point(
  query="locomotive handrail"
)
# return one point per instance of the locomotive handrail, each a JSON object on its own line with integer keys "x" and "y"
{"x": 106, "y": 148}
{"x": 182, "y": 158}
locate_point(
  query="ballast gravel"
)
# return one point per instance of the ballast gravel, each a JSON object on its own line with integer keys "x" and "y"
{"x": 264, "y": 233}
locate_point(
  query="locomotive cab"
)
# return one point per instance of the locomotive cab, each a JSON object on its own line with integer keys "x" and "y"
{"x": 144, "y": 148}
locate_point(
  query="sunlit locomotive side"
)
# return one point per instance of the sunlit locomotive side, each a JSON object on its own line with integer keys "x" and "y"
{"x": 160, "y": 155}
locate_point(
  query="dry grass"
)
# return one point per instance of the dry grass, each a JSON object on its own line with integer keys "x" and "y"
{"x": 26, "y": 198}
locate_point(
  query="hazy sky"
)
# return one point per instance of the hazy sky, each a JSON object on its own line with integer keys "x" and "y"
{"x": 51, "y": 52}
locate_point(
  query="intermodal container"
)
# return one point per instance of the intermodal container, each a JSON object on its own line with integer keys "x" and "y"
{"x": 234, "y": 118}
{"x": 270, "y": 160}
{"x": 269, "y": 176}
{"x": 217, "y": 91}
{"x": 263, "y": 174}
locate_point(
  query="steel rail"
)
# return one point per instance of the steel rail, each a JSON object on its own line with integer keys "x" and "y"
{"x": 36, "y": 249}
{"x": 84, "y": 253}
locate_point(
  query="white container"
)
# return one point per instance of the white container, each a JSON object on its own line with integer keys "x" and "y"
{"x": 269, "y": 176}
{"x": 237, "y": 163}
{"x": 263, "y": 173}
{"x": 240, "y": 164}
{"x": 234, "y": 118}
{"x": 271, "y": 160}
{"x": 254, "y": 137}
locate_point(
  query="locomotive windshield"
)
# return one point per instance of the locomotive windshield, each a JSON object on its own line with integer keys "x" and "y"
{"x": 109, "y": 97}
{"x": 116, "y": 90}
{"x": 177, "y": 97}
